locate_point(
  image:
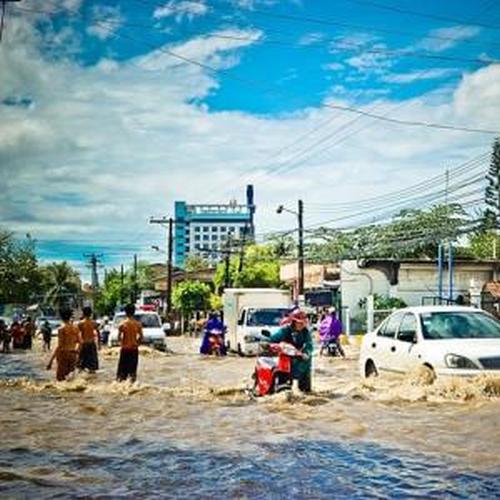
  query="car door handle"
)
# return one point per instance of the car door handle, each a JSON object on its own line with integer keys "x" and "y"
{"x": 374, "y": 345}
{"x": 393, "y": 348}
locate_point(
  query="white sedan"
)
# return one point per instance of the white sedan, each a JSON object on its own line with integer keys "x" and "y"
{"x": 153, "y": 332}
{"x": 448, "y": 340}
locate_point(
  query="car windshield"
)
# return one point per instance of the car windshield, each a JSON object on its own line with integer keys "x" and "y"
{"x": 146, "y": 320}
{"x": 265, "y": 317}
{"x": 459, "y": 325}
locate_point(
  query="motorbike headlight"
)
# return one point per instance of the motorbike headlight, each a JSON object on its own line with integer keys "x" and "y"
{"x": 461, "y": 362}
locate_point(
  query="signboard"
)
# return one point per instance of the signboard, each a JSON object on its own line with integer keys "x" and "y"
{"x": 319, "y": 298}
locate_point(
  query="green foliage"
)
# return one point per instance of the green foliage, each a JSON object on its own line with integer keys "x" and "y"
{"x": 195, "y": 263}
{"x": 261, "y": 269}
{"x": 191, "y": 296}
{"x": 20, "y": 276}
{"x": 112, "y": 293}
{"x": 383, "y": 302}
{"x": 61, "y": 284}
{"x": 410, "y": 234}
{"x": 216, "y": 302}
{"x": 482, "y": 245}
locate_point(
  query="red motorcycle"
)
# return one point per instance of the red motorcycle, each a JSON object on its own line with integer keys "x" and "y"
{"x": 273, "y": 369}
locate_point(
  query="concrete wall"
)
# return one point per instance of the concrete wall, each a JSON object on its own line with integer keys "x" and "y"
{"x": 416, "y": 280}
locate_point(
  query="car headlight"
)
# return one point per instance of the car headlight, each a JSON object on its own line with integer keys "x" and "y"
{"x": 456, "y": 361}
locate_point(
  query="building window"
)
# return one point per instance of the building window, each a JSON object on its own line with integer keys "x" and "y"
{"x": 197, "y": 237}
{"x": 197, "y": 229}
{"x": 214, "y": 229}
{"x": 205, "y": 237}
{"x": 205, "y": 229}
{"x": 223, "y": 237}
{"x": 223, "y": 229}
{"x": 214, "y": 236}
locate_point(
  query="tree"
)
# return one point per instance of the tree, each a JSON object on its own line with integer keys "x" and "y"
{"x": 20, "y": 277}
{"x": 195, "y": 263}
{"x": 410, "y": 234}
{"x": 61, "y": 284}
{"x": 112, "y": 293}
{"x": 261, "y": 269}
{"x": 191, "y": 296}
{"x": 491, "y": 216}
{"x": 484, "y": 244}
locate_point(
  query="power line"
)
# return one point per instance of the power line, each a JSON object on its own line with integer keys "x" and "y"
{"x": 265, "y": 86}
{"x": 395, "y": 8}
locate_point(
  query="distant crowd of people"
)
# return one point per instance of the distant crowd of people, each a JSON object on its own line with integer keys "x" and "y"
{"x": 78, "y": 343}
{"x": 18, "y": 335}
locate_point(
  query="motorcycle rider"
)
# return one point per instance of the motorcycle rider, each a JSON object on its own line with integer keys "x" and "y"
{"x": 214, "y": 323}
{"x": 297, "y": 334}
{"x": 330, "y": 330}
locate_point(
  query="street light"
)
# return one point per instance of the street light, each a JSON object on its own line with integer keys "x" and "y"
{"x": 300, "y": 218}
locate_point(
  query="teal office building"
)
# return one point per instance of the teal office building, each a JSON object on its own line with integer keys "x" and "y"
{"x": 205, "y": 229}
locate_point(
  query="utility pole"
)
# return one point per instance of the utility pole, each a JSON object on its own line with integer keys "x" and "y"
{"x": 2, "y": 15}
{"x": 242, "y": 249}
{"x": 301, "y": 247}
{"x": 170, "y": 247}
{"x": 94, "y": 261}
{"x": 300, "y": 259}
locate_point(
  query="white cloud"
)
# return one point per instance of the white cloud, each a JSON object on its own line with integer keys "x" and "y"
{"x": 413, "y": 76}
{"x": 335, "y": 66}
{"x": 121, "y": 141}
{"x": 311, "y": 38}
{"x": 370, "y": 62}
{"x": 447, "y": 37}
{"x": 106, "y": 21}
{"x": 181, "y": 9}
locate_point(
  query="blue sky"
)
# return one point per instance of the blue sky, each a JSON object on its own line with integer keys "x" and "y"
{"x": 112, "y": 110}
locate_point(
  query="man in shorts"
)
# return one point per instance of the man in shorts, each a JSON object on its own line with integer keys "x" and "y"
{"x": 129, "y": 336}
{"x": 68, "y": 344}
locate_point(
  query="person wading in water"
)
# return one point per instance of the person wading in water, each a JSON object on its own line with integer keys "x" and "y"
{"x": 68, "y": 344}
{"x": 29, "y": 332}
{"x": 90, "y": 342}
{"x": 129, "y": 336}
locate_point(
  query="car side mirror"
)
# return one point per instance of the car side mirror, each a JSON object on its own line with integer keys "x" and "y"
{"x": 240, "y": 322}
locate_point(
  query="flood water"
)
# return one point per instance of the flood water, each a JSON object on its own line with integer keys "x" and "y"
{"x": 188, "y": 428}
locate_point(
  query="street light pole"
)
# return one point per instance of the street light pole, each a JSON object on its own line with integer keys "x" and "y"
{"x": 300, "y": 217}
{"x": 300, "y": 259}
{"x": 170, "y": 246}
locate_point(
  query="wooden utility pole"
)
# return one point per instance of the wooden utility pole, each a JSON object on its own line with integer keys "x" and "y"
{"x": 300, "y": 216}
{"x": 170, "y": 246}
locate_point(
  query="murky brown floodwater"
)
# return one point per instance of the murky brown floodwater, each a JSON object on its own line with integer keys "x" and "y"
{"x": 188, "y": 427}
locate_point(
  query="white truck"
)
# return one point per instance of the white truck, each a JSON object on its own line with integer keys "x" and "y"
{"x": 249, "y": 311}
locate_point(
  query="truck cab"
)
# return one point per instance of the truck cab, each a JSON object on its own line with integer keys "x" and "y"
{"x": 249, "y": 312}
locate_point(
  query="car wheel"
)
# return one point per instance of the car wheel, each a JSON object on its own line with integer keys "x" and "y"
{"x": 240, "y": 351}
{"x": 370, "y": 369}
{"x": 427, "y": 375}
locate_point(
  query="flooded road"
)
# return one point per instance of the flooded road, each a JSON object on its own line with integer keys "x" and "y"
{"x": 187, "y": 428}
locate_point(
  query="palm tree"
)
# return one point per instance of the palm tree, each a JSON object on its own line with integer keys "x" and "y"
{"x": 62, "y": 284}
